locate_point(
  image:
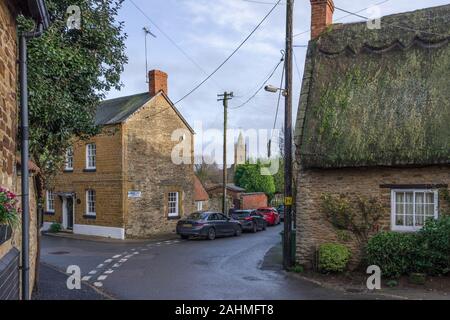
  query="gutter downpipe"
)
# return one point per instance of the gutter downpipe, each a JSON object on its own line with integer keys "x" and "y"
{"x": 25, "y": 268}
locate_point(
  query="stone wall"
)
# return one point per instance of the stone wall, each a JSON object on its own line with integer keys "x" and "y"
{"x": 8, "y": 89}
{"x": 313, "y": 229}
{"x": 151, "y": 171}
{"x": 106, "y": 180}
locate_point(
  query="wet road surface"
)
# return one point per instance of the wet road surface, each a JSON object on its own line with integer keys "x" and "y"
{"x": 226, "y": 268}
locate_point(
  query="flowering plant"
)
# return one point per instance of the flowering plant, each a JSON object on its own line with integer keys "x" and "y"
{"x": 9, "y": 214}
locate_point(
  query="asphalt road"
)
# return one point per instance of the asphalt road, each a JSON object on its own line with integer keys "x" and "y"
{"x": 226, "y": 268}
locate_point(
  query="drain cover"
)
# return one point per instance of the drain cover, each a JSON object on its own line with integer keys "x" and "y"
{"x": 59, "y": 252}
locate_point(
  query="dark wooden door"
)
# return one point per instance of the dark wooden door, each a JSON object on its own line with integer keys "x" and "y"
{"x": 69, "y": 211}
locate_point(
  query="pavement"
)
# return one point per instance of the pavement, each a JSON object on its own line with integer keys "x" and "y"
{"x": 245, "y": 267}
{"x": 52, "y": 286}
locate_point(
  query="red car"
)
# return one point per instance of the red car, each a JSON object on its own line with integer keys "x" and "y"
{"x": 270, "y": 215}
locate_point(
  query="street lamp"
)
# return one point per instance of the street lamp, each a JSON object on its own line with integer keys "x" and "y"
{"x": 273, "y": 89}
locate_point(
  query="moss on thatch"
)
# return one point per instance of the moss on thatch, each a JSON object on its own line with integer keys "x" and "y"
{"x": 378, "y": 97}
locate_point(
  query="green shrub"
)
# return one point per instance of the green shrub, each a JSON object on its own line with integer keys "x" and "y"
{"x": 55, "y": 227}
{"x": 333, "y": 257}
{"x": 433, "y": 247}
{"x": 393, "y": 252}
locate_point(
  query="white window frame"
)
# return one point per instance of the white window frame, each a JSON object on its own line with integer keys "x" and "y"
{"x": 413, "y": 228}
{"x": 88, "y": 209}
{"x": 176, "y": 213}
{"x": 50, "y": 201}
{"x": 69, "y": 155}
{"x": 88, "y": 155}
{"x": 199, "y": 205}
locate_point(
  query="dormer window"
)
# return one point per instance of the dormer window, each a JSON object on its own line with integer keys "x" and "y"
{"x": 91, "y": 155}
{"x": 69, "y": 159}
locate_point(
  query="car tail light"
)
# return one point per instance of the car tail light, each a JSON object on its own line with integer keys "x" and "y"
{"x": 248, "y": 218}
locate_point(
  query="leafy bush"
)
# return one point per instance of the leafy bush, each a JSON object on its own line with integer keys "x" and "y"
{"x": 55, "y": 227}
{"x": 433, "y": 247}
{"x": 333, "y": 257}
{"x": 393, "y": 252}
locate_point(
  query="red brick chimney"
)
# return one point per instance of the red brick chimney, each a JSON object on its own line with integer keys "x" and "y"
{"x": 321, "y": 16}
{"x": 157, "y": 81}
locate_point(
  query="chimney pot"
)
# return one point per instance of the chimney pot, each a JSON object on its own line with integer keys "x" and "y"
{"x": 321, "y": 16}
{"x": 157, "y": 81}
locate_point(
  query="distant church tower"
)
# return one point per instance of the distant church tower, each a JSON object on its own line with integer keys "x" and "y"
{"x": 240, "y": 151}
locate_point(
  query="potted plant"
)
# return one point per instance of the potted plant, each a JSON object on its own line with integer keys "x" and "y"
{"x": 9, "y": 216}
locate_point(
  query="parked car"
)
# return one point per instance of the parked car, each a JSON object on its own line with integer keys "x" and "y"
{"x": 270, "y": 215}
{"x": 250, "y": 220}
{"x": 280, "y": 210}
{"x": 208, "y": 225}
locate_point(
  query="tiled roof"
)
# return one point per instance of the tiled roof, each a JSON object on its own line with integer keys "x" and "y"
{"x": 200, "y": 193}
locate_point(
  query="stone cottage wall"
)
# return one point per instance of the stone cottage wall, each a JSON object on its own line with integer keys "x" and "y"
{"x": 312, "y": 227}
{"x": 8, "y": 89}
{"x": 8, "y": 131}
{"x": 106, "y": 180}
{"x": 151, "y": 171}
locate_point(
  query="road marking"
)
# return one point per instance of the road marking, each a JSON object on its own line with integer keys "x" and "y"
{"x": 86, "y": 278}
{"x": 108, "y": 260}
{"x": 123, "y": 260}
{"x": 98, "y": 284}
{"x": 109, "y": 271}
{"x": 93, "y": 272}
{"x": 116, "y": 265}
{"x": 100, "y": 266}
{"x": 117, "y": 256}
{"x": 101, "y": 278}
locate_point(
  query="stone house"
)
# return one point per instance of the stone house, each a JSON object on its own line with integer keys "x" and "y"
{"x": 373, "y": 122}
{"x": 124, "y": 182}
{"x": 9, "y": 164}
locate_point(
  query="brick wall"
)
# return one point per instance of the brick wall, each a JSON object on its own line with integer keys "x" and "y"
{"x": 150, "y": 169}
{"x": 253, "y": 201}
{"x": 106, "y": 180}
{"x": 313, "y": 229}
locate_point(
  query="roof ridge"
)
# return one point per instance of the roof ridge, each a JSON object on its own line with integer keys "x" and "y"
{"x": 124, "y": 97}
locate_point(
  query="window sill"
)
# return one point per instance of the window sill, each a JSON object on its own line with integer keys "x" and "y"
{"x": 174, "y": 218}
{"x": 68, "y": 170}
{"x": 90, "y": 170}
{"x": 90, "y": 216}
{"x": 49, "y": 213}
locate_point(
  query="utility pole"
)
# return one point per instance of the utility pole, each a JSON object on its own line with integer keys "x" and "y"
{"x": 225, "y": 97}
{"x": 288, "y": 226}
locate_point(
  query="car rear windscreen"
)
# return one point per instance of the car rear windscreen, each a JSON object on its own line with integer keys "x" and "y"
{"x": 241, "y": 214}
{"x": 198, "y": 216}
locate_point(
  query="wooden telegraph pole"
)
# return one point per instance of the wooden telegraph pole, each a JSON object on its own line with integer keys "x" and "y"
{"x": 287, "y": 243}
{"x": 225, "y": 97}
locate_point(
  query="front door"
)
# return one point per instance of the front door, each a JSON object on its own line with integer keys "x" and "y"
{"x": 69, "y": 212}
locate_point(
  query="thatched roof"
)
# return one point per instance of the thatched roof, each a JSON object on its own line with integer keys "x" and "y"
{"x": 378, "y": 97}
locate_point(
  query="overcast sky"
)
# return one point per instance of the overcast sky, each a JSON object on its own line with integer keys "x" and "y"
{"x": 208, "y": 31}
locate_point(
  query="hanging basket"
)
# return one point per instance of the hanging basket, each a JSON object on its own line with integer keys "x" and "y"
{"x": 5, "y": 233}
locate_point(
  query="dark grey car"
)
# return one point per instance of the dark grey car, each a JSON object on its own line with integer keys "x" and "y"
{"x": 208, "y": 225}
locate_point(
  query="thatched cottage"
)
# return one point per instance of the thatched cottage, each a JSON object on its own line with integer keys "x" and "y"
{"x": 373, "y": 121}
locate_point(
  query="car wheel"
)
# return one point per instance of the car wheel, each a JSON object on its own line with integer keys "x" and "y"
{"x": 211, "y": 234}
{"x": 185, "y": 237}
{"x": 238, "y": 231}
{"x": 255, "y": 228}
